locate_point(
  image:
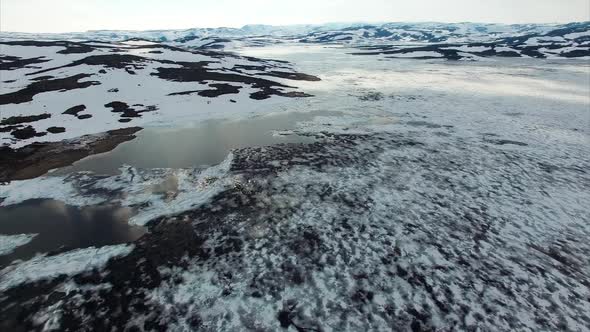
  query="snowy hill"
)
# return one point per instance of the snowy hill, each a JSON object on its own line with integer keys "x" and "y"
{"x": 439, "y": 32}
{"x": 521, "y": 40}
{"x": 54, "y": 90}
{"x": 341, "y": 33}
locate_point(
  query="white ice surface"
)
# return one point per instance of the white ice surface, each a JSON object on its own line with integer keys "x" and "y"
{"x": 69, "y": 263}
{"x": 159, "y": 192}
{"x": 577, "y": 35}
{"x": 10, "y": 242}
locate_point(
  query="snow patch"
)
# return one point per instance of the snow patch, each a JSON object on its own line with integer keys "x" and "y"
{"x": 10, "y": 242}
{"x": 69, "y": 263}
{"x": 153, "y": 193}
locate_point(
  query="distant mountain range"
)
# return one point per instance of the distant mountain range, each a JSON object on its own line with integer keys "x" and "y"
{"x": 392, "y": 39}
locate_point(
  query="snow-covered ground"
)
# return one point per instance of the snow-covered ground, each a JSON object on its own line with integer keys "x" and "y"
{"x": 445, "y": 195}
{"x": 70, "y": 263}
{"x": 10, "y": 242}
{"x": 66, "y": 90}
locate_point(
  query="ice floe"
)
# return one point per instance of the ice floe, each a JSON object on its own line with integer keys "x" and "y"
{"x": 69, "y": 263}
{"x": 10, "y": 242}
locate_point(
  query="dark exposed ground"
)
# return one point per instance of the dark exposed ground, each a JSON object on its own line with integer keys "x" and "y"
{"x": 60, "y": 84}
{"x": 75, "y": 110}
{"x": 127, "y": 111}
{"x": 183, "y": 236}
{"x": 69, "y": 47}
{"x": 56, "y": 130}
{"x": 26, "y": 132}
{"x": 452, "y": 52}
{"x": 197, "y": 72}
{"x": 219, "y": 89}
{"x": 315, "y": 237}
{"x": 189, "y": 72}
{"x": 36, "y": 159}
{"x": 12, "y": 62}
{"x": 15, "y": 120}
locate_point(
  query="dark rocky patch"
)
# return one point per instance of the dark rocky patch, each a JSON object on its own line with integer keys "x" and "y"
{"x": 268, "y": 92}
{"x": 505, "y": 142}
{"x": 423, "y": 124}
{"x": 405, "y": 97}
{"x": 532, "y": 51}
{"x": 13, "y": 62}
{"x": 576, "y": 53}
{"x": 292, "y": 94}
{"x": 330, "y": 37}
{"x": 250, "y": 67}
{"x": 372, "y": 96}
{"x": 26, "y": 133}
{"x": 220, "y": 89}
{"x": 287, "y": 317}
{"x": 61, "y": 84}
{"x": 116, "y": 306}
{"x": 7, "y": 129}
{"x": 77, "y": 49}
{"x": 448, "y": 54}
{"x": 216, "y": 44}
{"x": 75, "y": 110}
{"x": 118, "y": 106}
{"x": 42, "y": 78}
{"x": 197, "y": 72}
{"x": 188, "y": 72}
{"x": 360, "y": 242}
{"x": 126, "y": 111}
{"x": 569, "y": 28}
{"x": 507, "y": 54}
{"x": 36, "y": 159}
{"x": 14, "y": 120}
{"x": 167, "y": 47}
{"x": 56, "y": 130}
{"x": 291, "y": 76}
{"x": 113, "y": 61}
{"x": 69, "y": 47}
{"x": 451, "y": 51}
{"x": 184, "y": 93}
{"x": 184, "y": 237}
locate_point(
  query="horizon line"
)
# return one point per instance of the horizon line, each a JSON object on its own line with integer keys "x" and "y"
{"x": 302, "y": 24}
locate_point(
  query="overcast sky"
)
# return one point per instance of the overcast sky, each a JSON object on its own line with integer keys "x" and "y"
{"x": 82, "y": 15}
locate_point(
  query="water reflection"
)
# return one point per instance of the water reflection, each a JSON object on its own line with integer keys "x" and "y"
{"x": 66, "y": 227}
{"x": 207, "y": 143}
